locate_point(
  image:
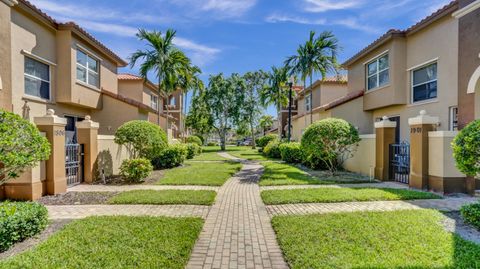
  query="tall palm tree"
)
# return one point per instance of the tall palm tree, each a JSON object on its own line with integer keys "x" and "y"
{"x": 163, "y": 59}
{"x": 275, "y": 92}
{"x": 266, "y": 122}
{"x": 317, "y": 55}
{"x": 189, "y": 80}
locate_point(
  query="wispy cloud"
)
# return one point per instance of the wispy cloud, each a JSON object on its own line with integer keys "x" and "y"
{"x": 274, "y": 18}
{"x": 220, "y": 8}
{"x": 327, "y": 5}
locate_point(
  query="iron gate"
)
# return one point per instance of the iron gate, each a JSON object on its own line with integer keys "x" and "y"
{"x": 400, "y": 162}
{"x": 74, "y": 163}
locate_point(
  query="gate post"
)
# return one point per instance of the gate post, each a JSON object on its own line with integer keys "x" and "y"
{"x": 54, "y": 127}
{"x": 419, "y": 128}
{"x": 87, "y": 134}
{"x": 385, "y": 135}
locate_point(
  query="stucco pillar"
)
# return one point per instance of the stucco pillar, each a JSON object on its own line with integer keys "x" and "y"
{"x": 419, "y": 128}
{"x": 87, "y": 133}
{"x": 385, "y": 135}
{"x": 54, "y": 128}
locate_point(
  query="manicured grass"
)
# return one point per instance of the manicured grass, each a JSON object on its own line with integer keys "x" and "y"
{"x": 246, "y": 153}
{"x": 397, "y": 239}
{"x": 285, "y": 174}
{"x": 197, "y": 173}
{"x": 332, "y": 195}
{"x": 209, "y": 154}
{"x": 115, "y": 242}
{"x": 165, "y": 197}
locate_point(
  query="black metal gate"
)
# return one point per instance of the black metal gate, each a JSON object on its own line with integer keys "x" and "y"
{"x": 74, "y": 163}
{"x": 400, "y": 162}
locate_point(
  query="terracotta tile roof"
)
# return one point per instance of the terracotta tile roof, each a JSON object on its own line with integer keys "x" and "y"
{"x": 297, "y": 88}
{"x": 440, "y": 13}
{"x": 344, "y": 99}
{"x": 328, "y": 80}
{"x": 73, "y": 25}
{"x": 127, "y": 76}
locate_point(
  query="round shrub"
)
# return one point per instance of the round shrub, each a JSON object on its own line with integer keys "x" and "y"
{"x": 328, "y": 143}
{"x": 466, "y": 147}
{"x": 211, "y": 144}
{"x": 291, "y": 152}
{"x": 272, "y": 149}
{"x": 195, "y": 139}
{"x": 171, "y": 157}
{"x": 264, "y": 140}
{"x": 21, "y": 145}
{"x": 471, "y": 214}
{"x": 19, "y": 221}
{"x": 136, "y": 170}
{"x": 142, "y": 138}
{"x": 193, "y": 149}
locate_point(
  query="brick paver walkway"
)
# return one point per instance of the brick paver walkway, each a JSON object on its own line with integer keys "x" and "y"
{"x": 392, "y": 185}
{"x": 237, "y": 232}
{"x": 449, "y": 204}
{"x": 120, "y": 188}
{"x": 82, "y": 211}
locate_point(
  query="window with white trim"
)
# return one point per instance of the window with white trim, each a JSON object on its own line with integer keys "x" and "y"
{"x": 378, "y": 72}
{"x": 424, "y": 83}
{"x": 453, "y": 118}
{"x": 87, "y": 69}
{"x": 308, "y": 102}
{"x": 37, "y": 78}
{"x": 154, "y": 101}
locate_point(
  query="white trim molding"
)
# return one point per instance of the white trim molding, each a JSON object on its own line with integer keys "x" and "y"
{"x": 422, "y": 64}
{"x": 385, "y": 123}
{"x": 442, "y": 134}
{"x": 423, "y": 118}
{"x": 10, "y": 3}
{"x": 474, "y": 80}
{"x": 38, "y": 58}
{"x": 466, "y": 10}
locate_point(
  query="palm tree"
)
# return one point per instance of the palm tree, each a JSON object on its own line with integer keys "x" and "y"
{"x": 316, "y": 55}
{"x": 189, "y": 80}
{"x": 266, "y": 122}
{"x": 163, "y": 59}
{"x": 275, "y": 93}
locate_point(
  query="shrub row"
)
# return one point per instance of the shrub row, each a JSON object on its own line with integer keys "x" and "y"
{"x": 264, "y": 140}
{"x": 20, "y": 220}
{"x": 135, "y": 170}
{"x": 471, "y": 214}
{"x": 195, "y": 139}
{"x": 193, "y": 149}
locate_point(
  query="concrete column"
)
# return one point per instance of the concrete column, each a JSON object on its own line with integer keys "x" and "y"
{"x": 385, "y": 135}
{"x": 87, "y": 133}
{"x": 54, "y": 128}
{"x": 419, "y": 128}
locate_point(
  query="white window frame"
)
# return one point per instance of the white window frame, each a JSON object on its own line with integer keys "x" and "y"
{"x": 154, "y": 101}
{"x": 378, "y": 71}
{"x": 308, "y": 102}
{"x": 95, "y": 58}
{"x": 34, "y": 77}
{"x": 412, "y": 85}
{"x": 452, "y": 114}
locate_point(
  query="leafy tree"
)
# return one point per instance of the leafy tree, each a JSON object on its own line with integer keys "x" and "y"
{"x": 266, "y": 122}
{"x": 466, "y": 149}
{"x": 199, "y": 118}
{"x": 275, "y": 92}
{"x": 251, "y": 108}
{"x": 21, "y": 146}
{"x": 189, "y": 80}
{"x": 163, "y": 59}
{"x": 317, "y": 55}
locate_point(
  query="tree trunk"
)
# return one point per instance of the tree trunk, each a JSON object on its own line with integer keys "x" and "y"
{"x": 279, "y": 118}
{"x": 222, "y": 139}
{"x": 184, "y": 126}
{"x": 253, "y": 135}
{"x": 311, "y": 99}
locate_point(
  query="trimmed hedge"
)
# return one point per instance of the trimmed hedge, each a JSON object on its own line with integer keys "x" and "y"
{"x": 272, "y": 149}
{"x": 142, "y": 138}
{"x": 136, "y": 170}
{"x": 171, "y": 157}
{"x": 195, "y": 139}
{"x": 193, "y": 149}
{"x": 19, "y": 221}
{"x": 264, "y": 140}
{"x": 466, "y": 146}
{"x": 471, "y": 214}
{"x": 291, "y": 152}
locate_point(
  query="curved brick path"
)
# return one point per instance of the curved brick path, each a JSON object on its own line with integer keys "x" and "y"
{"x": 237, "y": 232}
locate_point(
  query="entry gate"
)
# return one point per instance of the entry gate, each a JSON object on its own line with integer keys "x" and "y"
{"x": 74, "y": 164}
{"x": 400, "y": 162}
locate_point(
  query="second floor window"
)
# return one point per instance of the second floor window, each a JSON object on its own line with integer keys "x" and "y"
{"x": 308, "y": 102}
{"x": 377, "y": 72}
{"x": 154, "y": 101}
{"x": 87, "y": 69}
{"x": 37, "y": 78}
{"x": 424, "y": 83}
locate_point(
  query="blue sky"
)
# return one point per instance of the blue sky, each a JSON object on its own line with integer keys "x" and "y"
{"x": 239, "y": 35}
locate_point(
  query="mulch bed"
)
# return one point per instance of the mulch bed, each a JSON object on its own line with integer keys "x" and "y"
{"x": 77, "y": 198}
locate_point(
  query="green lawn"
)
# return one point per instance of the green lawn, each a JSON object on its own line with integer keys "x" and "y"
{"x": 285, "y": 174}
{"x": 246, "y": 153}
{"x": 380, "y": 240}
{"x": 165, "y": 197}
{"x": 115, "y": 242}
{"x": 197, "y": 173}
{"x": 209, "y": 154}
{"x": 332, "y": 195}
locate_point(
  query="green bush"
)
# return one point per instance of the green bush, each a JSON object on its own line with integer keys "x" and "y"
{"x": 171, "y": 157}
{"x": 466, "y": 147}
{"x": 272, "y": 149}
{"x": 211, "y": 144}
{"x": 471, "y": 214}
{"x": 19, "y": 221}
{"x": 136, "y": 170}
{"x": 195, "y": 139}
{"x": 264, "y": 140}
{"x": 142, "y": 138}
{"x": 193, "y": 149}
{"x": 328, "y": 143}
{"x": 291, "y": 152}
{"x": 21, "y": 145}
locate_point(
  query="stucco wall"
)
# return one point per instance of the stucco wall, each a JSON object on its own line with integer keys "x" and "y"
{"x": 110, "y": 156}
{"x": 440, "y": 155}
{"x": 5, "y": 55}
{"x": 363, "y": 160}
{"x": 131, "y": 89}
{"x": 353, "y": 113}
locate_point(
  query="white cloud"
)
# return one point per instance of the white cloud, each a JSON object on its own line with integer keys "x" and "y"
{"x": 285, "y": 18}
{"x": 221, "y": 8}
{"x": 327, "y": 5}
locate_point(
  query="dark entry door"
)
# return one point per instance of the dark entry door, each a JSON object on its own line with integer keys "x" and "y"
{"x": 397, "y": 129}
